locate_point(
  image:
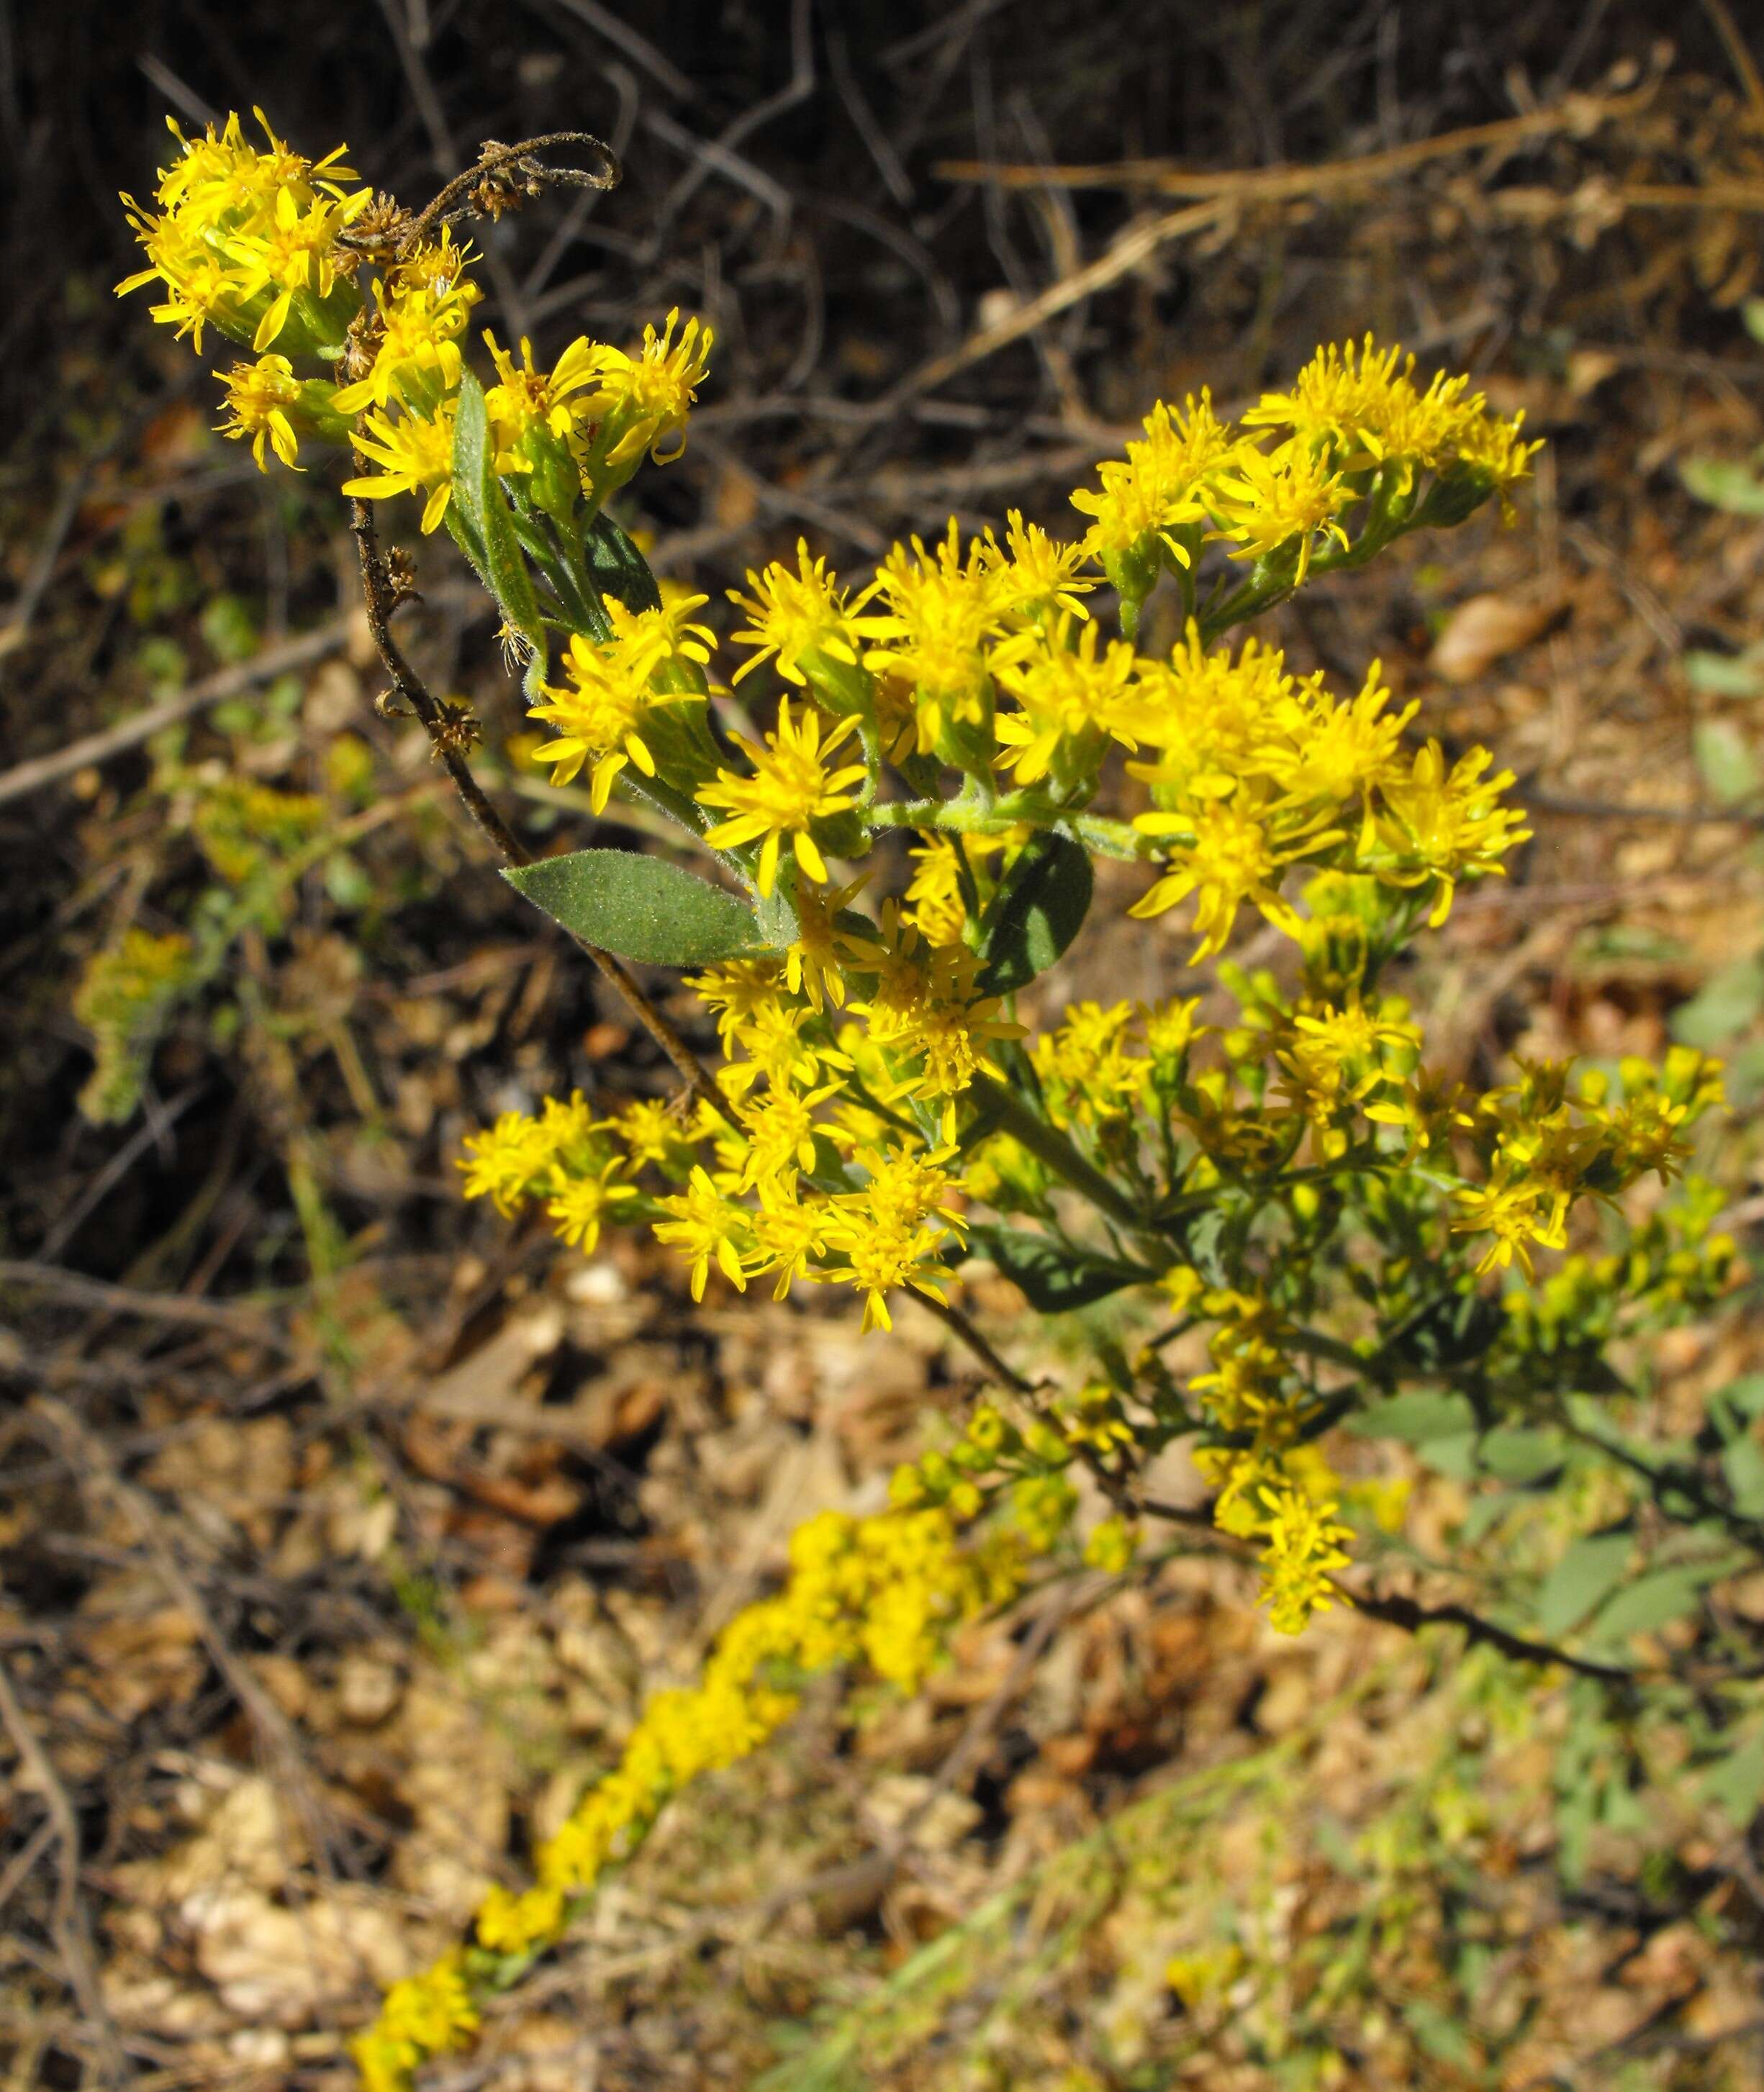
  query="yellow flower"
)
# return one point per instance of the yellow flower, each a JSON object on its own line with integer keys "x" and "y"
{"x": 704, "y": 1228}
{"x": 258, "y": 396}
{"x": 524, "y": 398}
{"x": 1233, "y": 852}
{"x": 1302, "y": 1547}
{"x": 814, "y": 962}
{"x": 935, "y": 902}
{"x": 416, "y": 455}
{"x": 295, "y": 251}
{"x": 1046, "y": 576}
{"x": 416, "y": 351}
{"x": 942, "y": 609}
{"x": 890, "y": 1232}
{"x": 1158, "y": 488}
{"x": 790, "y": 790}
{"x": 1070, "y": 695}
{"x": 807, "y": 623}
{"x": 599, "y": 712}
{"x": 641, "y": 402}
{"x": 1516, "y": 1215}
{"x": 1268, "y": 503}
{"x": 1437, "y": 826}
{"x": 576, "y": 1211}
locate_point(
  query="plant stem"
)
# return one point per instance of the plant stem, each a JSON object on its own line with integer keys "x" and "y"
{"x": 1061, "y": 1155}
{"x": 377, "y": 590}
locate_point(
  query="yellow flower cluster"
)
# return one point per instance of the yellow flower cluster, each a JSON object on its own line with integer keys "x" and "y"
{"x": 123, "y": 1000}
{"x": 272, "y": 250}
{"x": 246, "y": 240}
{"x": 884, "y": 1591}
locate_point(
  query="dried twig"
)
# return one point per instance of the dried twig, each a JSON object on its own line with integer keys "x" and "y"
{"x": 300, "y": 652}
{"x": 1409, "y": 1616}
{"x": 274, "y": 1730}
{"x": 72, "y": 1934}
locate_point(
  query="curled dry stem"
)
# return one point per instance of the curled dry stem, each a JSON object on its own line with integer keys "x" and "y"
{"x": 513, "y": 172}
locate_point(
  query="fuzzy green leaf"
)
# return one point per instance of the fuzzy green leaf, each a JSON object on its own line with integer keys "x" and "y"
{"x": 1040, "y": 903}
{"x": 1416, "y": 1418}
{"x": 1586, "y": 1574}
{"x": 478, "y": 492}
{"x": 618, "y": 568}
{"x": 641, "y": 907}
{"x": 1653, "y": 1601}
{"x": 1053, "y": 1278}
{"x": 1725, "y": 483}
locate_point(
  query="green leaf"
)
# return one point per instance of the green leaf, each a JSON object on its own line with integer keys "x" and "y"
{"x": 1053, "y": 1278}
{"x": 1736, "y": 1782}
{"x": 1514, "y": 1455}
{"x": 1745, "y": 1394}
{"x": 641, "y": 907}
{"x": 1723, "y": 1007}
{"x": 1725, "y": 483}
{"x": 473, "y": 456}
{"x": 1587, "y": 1575}
{"x": 617, "y": 567}
{"x": 1653, "y": 1601}
{"x": 1743, "y": 1464}
{"x": 479, "y": 494}
{"x": 1450, "y": 1331}
{"x": 1725, "y": 675}
{"x": 1724, "y": 758}
{"x": 1040, "y": 903}
{"x": 1752, "y": 313}
{"x": 1416, "y": 1418}
{"x": 774, "y": 915}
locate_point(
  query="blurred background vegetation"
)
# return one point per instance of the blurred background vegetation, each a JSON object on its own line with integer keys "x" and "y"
{"x": 341, "y": 1528}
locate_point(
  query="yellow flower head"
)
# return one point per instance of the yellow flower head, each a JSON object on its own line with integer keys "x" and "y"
{"x": 641, "y": 402}
{"x": 1158, "y": 487}
{"x": 259, "y": 397}
{"x": 1437, "y": 826}
{"x": 415, "y": 454}
{"x": 1284, "y": 502}
{"x": 599, "y": 712}
{"x": 524, "y": 398}
{"x": 943, "y": 607}
{"x": 1046, "y": 577}
{"x": 1071, "y": 696}
{"x": 807, "y": 623}
{"x": 791, "y": 788}
{"x": 416, "y": 345}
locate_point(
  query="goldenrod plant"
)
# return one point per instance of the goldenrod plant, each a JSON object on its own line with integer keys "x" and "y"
{"x": 896, "y": 846}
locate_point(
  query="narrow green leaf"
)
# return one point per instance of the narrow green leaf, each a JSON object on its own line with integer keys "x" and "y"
{"x": 1725, "y": 675}
{"x": 1416, "y": 1418}
{"x": 617, "y": 567}
{"x": 1724, "y": 758}
{"x": 1589, "y": 1572}
{"x": 1052, "y": 1278}
{"x": 1743, "y": 1464}
{"x": 641, "y": 907}
{"x": 1722, "y": 1008}
{"x": 774, "y": 915}
{"x": 508, "y": 575}
{"x": 1745, "y": 1394}
{"x": 484, "y": 509}
{"x": 1736, "y": 1782}
{"x": 1725, "y": 483}
{"x": 1653, "y": 1601}
{"x": 1514, "y": 1455}
{"x": 1040, "y": 903}
{"x": 471, "y": 452}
